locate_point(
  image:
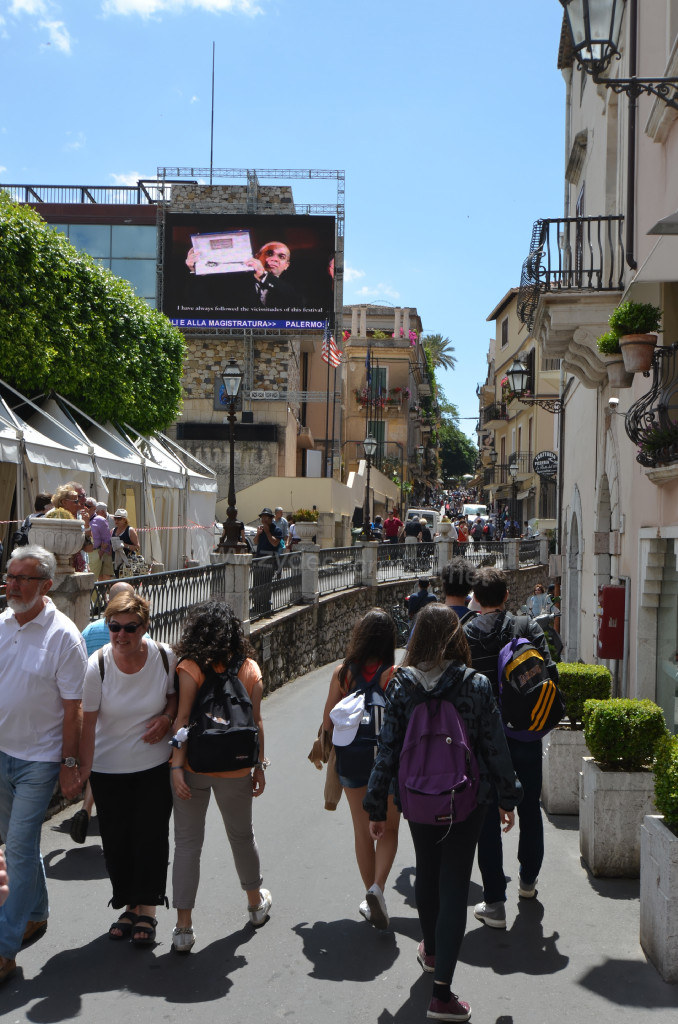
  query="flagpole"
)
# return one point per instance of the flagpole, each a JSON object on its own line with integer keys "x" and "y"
{"x": 327, "y": 398}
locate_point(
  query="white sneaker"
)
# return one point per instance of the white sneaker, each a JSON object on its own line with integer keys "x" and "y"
{"x": 183, "y": 940}
{"x": 259, "y": 915}
{"x": 377, "y": 904}
{"x": 364, "y": 909}
{"x": 527, "y": 890}
{"x": 492, "y": 914}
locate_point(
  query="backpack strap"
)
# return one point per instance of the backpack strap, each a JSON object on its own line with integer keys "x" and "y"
{"x": 101, "y": 664}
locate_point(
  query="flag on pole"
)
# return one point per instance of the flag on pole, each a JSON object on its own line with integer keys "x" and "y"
{"x": 368, "y": 368}
{"x": 330, "y": 351}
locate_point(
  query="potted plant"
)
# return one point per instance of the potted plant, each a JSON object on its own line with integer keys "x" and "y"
{"x": 636, "y": 324}
{"x": 659, "y": 444}
{"x": 617, "y": 375}
{"x": 659, "y": 865}
{"x": 565, "y": 745}
{"x": 616, "y": 785}
{"x": 306, "y": 523}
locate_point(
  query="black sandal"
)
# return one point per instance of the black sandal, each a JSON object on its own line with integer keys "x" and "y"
{"x": 147, "y": 925}
{"x": 125, "y": 925}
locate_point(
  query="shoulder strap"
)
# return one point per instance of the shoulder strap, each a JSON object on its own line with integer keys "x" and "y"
{"x": 165, "y": 657}
{"x": 101, "y": 663}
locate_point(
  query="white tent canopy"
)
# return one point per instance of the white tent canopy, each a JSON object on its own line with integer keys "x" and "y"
{"x": 169, "y": 495}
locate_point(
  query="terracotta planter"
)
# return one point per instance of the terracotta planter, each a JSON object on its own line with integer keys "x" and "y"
{"x": 637, "y": 351}
{"x": 617, "y": 374}
{"x": 659, "y": 896}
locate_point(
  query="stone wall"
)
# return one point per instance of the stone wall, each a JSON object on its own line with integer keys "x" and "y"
{"x": 193, "y": 198}
{"x": 254, "y": 460}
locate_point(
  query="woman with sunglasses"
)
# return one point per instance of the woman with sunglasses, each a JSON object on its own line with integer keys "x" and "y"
{"x": 129, "y": 706}
{"x": 124, "y": 540}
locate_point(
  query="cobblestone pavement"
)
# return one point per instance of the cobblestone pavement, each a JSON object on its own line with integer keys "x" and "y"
{"x": 572, "y": 954}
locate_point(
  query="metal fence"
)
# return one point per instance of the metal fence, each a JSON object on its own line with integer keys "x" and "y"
{"x": 528, "y": 552}
{"x": 275, "y": 583}
{"x": 400, "y": 561}
{"x": 171, "y": 596}
{"x": 339, "y": 568}
{"x": 491, "y": 552}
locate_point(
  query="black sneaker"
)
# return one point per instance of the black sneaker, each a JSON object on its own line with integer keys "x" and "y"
{"x": 79, "y": 826}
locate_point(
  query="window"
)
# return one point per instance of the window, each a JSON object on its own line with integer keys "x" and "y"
{"x": 128, "y": 250}
{"x": 378, "y": 385}
{"x": 504, "y": 332}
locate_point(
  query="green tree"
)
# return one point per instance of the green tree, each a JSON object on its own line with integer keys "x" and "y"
{"x": 69, "y": 325}
{"x": 441, "y": 350}
{"x": 458, "y": 454}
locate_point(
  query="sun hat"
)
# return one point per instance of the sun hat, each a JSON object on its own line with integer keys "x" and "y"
{"x": 122, "y": 512}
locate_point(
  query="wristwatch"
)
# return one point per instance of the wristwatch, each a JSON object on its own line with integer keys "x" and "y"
{"x": 70, "y": 762}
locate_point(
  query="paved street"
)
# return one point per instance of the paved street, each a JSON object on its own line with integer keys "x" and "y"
{"x": 572, "y": 954}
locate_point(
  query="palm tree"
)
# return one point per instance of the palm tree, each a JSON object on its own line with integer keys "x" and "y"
{"x": 441, "y": 350}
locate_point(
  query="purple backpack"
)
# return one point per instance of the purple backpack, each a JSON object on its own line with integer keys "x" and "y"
{"x": 438, "y": 773}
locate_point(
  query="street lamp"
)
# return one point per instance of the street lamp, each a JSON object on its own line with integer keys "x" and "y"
{"x": 518, "y": 377}
{"x": 595, "y": 30}
{"x": 370, "y": 446}
{"x": 513, "y": 470}
{"x": 230, "y": 538}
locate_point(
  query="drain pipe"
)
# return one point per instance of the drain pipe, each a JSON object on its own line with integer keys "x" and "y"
{"x": 626, "y": 580}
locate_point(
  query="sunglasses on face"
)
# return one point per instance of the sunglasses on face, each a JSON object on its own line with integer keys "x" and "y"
{"x": 129, "y": 627}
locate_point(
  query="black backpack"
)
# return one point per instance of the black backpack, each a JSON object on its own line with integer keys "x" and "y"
{"x": 357, "y": 758}
{"x": 20, "y": 536}
{"x": 222, "y": 734}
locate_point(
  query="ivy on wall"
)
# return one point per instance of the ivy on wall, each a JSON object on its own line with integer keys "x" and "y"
{"x": 70, "y": 325}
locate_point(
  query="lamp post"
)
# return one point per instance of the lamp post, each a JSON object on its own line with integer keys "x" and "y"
{"x": 370, "y": 446}
{"x": 513, "y": 470}
{"x": 230, "y": 538}
{"x": 518, "y": 376}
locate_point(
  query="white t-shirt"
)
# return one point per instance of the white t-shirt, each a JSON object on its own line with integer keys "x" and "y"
{"x": 126, "y": 703}
{"x": 41, "y": 664}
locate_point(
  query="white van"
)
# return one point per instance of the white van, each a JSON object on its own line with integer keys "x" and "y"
{"x": 471, "y": 511}
{"x": 429, "y": 514}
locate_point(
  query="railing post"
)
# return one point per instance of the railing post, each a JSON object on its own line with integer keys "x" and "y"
{"x": 445, "y": 550}
{"x": 512, "y": 554}
{"x": 543, "y": 551}
{"x": 236, "y": 584}
{"x": 310, "y": 562}
{"x": 369, "y": 560}
{"x": 73, "y": 595}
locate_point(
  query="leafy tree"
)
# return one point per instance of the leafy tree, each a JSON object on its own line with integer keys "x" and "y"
{"x": 69, "y": 325}
{"x": 441, "y": 350}
{"x": 458, "y": 454}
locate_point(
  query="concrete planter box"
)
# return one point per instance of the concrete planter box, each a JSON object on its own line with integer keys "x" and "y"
{"x": 612, "y": 806}
{"x": 659, "y": 896}
{"x": 563, "y": 750}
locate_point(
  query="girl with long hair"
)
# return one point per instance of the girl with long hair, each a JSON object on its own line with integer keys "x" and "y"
{"x": 437, "y": 666}
{"x": 369, "y": 662}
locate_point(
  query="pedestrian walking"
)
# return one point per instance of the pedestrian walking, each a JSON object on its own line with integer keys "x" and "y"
{"x": 435, "y": 670}
{"x": 367, "y": 668}
{"x": 212, "y": 643}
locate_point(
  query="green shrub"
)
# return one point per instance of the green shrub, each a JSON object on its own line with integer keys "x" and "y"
{"x": 579, "y": 683}
{"x": 666, "y": 780}
{"x": 305, "y": 515}
{"x": 608, "y": 343}
{"x": 623, "y": 733}
{"x": 635, "y": 318}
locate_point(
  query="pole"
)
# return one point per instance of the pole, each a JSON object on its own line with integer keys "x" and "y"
{"x": 367, "y": 532}
{"x": 327, "y": 399}
{"x": 212, "y": 119}
{"x": 230, "y": 538}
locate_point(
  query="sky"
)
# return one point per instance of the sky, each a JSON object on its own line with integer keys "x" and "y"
{"x": 447, "y": 117}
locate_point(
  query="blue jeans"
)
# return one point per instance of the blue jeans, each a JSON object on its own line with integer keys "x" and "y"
{"x": 25, "y": 791}
{"x": 526, "y": 759}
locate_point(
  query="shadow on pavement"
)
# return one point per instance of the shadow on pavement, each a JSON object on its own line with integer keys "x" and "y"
{"x": 404, "y": 884}
{"x": 612, "y": 888}
{"x": 628, "y": 983}
{"x": 79, "y": 863}
{"x": 564, "y": 822}
{"x": 521, "y": 949}
{"x": 347, "y": 950}
{"x": 413, "y": 1010}
{"x": 105, "y": 966}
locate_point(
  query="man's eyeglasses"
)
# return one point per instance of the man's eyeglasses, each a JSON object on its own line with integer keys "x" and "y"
{"x": 129, "y": 627}
{"x": 9, "y": 577}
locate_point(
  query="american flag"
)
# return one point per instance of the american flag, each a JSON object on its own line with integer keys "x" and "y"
{"x": 330, "y": 352}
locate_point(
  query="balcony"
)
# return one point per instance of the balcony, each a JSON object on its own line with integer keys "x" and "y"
{"x": 652, "y": 422}
{"x": 493, "y": 416}
{"x": 571, "y": 281}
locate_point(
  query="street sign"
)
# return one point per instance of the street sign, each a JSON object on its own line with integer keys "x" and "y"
{"x": 545, "y": 463}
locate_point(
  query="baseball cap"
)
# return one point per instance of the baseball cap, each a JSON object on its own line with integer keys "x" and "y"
{"x": 346, "y": 717}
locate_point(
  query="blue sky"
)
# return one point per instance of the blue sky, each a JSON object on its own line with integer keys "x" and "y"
{"x": 447, "y": 116}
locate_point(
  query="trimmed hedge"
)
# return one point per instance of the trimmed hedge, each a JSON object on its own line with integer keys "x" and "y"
{"x": 666, "y": 781}
{"x": 622, "y": 733}
{"x": 579, "y": 683}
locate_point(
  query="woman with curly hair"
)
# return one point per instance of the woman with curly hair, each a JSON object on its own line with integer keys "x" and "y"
{"x": 436, "y": 668}
{"x": 368, "y": 663}
{"x": 212, "y": 641}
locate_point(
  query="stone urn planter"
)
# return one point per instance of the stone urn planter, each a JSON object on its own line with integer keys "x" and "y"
{"x": 63, "y": 537}
{"x": 659, "y": 896}
{"x": 612, "y": 806}
{"x": 617, "y": 374}
{"x": 306, "y": 531}
{"x": 637, "y": 351}
{"x": 445, "y": 529}
{"x": 563, "y": 750}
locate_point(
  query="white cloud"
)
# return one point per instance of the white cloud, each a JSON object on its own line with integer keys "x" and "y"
{"x": 58, "y": 35}
{"x": 28, "y": 7}
{"x": 130, "y": 178}
{"x": 2, "y": 170}
{"x": 351, "y": 274}
{"x": 382, "y": 290}
{"x": 147, "y": 8}
{"x": 76, "y": 140}
{"x": 194, "y": 99}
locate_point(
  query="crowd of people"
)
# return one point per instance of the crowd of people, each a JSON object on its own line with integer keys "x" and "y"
{"x": 116, "y": 710}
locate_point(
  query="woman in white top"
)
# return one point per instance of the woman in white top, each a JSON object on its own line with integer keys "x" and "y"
{"x": 129, "y": 706}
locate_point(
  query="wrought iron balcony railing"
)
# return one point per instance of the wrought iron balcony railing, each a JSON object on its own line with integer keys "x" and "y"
{"x": 584, "y": 253}
{"x": 652, "y": 422}
{"x": 496, "y": 411}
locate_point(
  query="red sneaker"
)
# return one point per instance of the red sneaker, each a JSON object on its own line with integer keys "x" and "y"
{"x": 428, "y": 963}
{"x": 453, "y": 1009}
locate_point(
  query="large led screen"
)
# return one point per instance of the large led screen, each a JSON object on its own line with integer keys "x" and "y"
{"x": 238, "y": 271}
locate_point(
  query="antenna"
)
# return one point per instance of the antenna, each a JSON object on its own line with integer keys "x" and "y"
{"x": 212, "y": 120}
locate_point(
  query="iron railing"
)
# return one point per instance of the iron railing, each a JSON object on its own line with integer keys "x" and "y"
{"x": 528, "y": 552}
{"x": 144, "y": 193}
{"x": 275, "y": 583}
{"x": 171, "y": 596}
{"x": 582, "y": 253}
{"x": 339, "y": 568}
{"x": 652, "y": 422}
{"x": 492, "y": 553}
{"x": 400, "y": 561}
{"x": 496, "y": 411}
